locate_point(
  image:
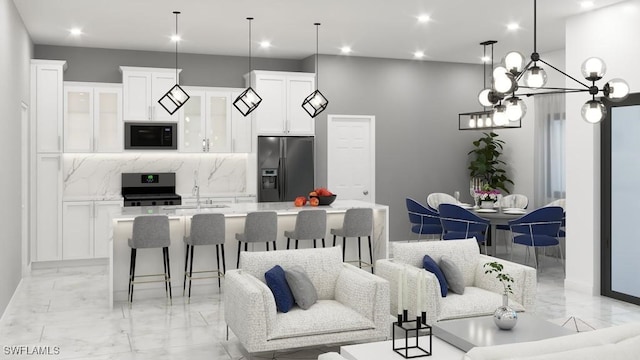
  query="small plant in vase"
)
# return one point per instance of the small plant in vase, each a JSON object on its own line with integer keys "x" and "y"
{"x": 504, "y": 316}
{"x": 487, "y": 196}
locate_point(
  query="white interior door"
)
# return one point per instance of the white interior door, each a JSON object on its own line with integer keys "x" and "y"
{"x": 351, "y": 156}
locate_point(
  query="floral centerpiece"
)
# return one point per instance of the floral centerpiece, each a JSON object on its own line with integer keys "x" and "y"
{"x": 487, "y": 196}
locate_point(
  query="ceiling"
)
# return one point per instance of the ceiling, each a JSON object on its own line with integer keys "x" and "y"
{"x": 373, "y": 28}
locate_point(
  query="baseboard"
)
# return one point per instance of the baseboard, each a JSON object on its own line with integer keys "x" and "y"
{"x": 35, "y": 265}
{"x": 580, "y": 287}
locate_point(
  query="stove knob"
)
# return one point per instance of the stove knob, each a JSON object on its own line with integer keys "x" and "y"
{"x": 171, "y": 202}
{"x": 153, "y": 203}
{"x": 166, "y": 203}
{"x": 138, "y": 203}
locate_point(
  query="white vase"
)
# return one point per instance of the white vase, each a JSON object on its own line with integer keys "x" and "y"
{"x": 504, "y": 316}
{"x": 486, "y": 204}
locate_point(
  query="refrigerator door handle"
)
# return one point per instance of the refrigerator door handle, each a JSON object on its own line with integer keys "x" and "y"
{"x": 279, "y": 179}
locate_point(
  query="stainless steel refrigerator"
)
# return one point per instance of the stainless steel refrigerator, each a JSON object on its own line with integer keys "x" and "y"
{"x": 285, "y": 167}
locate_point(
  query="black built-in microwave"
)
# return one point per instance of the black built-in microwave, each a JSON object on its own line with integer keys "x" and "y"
{"x": 150, "y": 136}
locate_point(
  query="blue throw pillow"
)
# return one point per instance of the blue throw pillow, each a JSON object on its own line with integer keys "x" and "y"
{"x": 277, "y": 282}
{"x": 431, "y": 266}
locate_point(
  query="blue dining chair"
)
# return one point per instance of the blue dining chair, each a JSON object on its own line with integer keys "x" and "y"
{"x": 458, "y": 223}
{"x": 539, "y": 228}
{"x": 423, "y": 220}
{"x": 518, "y": 201}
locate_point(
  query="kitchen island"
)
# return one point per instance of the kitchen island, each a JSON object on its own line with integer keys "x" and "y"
{"x": 150, "y": 260}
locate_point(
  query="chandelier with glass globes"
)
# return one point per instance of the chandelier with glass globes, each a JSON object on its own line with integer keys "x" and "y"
{"x": 508, "y": 106}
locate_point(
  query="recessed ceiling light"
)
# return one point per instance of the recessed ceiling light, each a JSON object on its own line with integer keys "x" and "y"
{"x": 418, "y": 54}
{"x": 75, "y": 31}
{"x": 175, "y": 38}
{"x": 485, "y": 59}
{"x": 586, "y": 4}
{"x": 513, "y": 26}
{"x": 345, "y": 50}
{"x": 424, "y": 18}
{"x": 265, "y": 44}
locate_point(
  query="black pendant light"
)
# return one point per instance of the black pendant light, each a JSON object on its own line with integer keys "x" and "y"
{"x": 315, "y": 103}
{"x": 176, "y": 96}
{"x": 249, "y": 99}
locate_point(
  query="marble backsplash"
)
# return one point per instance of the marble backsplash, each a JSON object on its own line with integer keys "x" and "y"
{"x": 99, "y": 175}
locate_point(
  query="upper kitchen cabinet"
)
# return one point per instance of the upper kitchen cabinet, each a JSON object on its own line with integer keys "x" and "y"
{"x": 142, "y": 88}
{"x": 210, "y": 123}
{"x": 282, "y": 93}
{"x": 46, "y": 104}
{"x": 93, "y": 117}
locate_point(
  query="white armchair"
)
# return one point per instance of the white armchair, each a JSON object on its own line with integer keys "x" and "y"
{"x": 483, "y": 292}
{"x": 352, "y": 305}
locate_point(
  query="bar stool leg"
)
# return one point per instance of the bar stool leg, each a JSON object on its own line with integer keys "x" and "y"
{"x": 267, "y": 245}
{"x": 169, "y": 270}
{"x": 370, "y": 254}
{"x": 314, "y": 243}
{"x": 238, "y": 261}
{"x": 164, "y": 258}
{"x": 296, "y": 243}
{"x": 218, "y": 264}
{"x": 190, "y": 272}
{"x": 359, "y": 256}
{"x": 186, "y": 261}
{"x": 274, "y": 245}
{"x": 334, "y": 240}
{"x": 344, "y": 247}
{"x": 224, "y": 267}
{"x": 131, "y": 263}
{"x": 288, "y": 241}
{"x": 323, "y": 242}
{"x": 133, "y": 270}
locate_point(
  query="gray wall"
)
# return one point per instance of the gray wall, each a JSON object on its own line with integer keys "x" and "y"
{"x": 15, "y": 52}
{"x": 419, "y": 148}
{"x": 102, "y": 65}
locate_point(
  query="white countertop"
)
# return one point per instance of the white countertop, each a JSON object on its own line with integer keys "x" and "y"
{"x": 231, "y": 210}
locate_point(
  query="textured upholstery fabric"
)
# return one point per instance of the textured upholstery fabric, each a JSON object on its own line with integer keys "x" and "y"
{"x": 252, "y": 317}
{"x": 301, "y": 287}
{"x": 357, "y": 222}
{"x": 452, "y": 273}
{"x": 260, "y": 226}
{"x": 435, "y": 199}
{"x": 479, "y": 288}
{"x": 206, "y": 229}
{"x": 150, "y": 231}
{"x": 613, "y": 343}
{"x": 277, "y": 282}
{"x": 310, "y": 224}
{"x": 431, "y": 266}
{"x": 514, "y": 201}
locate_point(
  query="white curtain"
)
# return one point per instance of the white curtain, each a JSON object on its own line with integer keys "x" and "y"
{"x": 550, "y": 148}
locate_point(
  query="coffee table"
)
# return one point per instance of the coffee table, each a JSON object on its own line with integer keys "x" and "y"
{"x": 481, "y": 331}
{"x": 382, "y": 350}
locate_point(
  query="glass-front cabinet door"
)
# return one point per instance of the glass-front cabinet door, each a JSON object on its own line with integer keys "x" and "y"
{"x": 193, "y": 124}
{"x": 78, "y": 119}
{"x": 218, "y": 127}
{"x": 108, "y": 125}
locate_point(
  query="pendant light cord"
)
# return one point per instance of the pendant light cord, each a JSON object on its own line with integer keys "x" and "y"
{"x": 535, "y": 26}
{"x": 250, "y": 18}
{"x": 317, "y": 25}
{"x": 177, "y": 40}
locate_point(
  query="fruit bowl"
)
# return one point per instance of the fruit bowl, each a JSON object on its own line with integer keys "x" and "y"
{"x": 326, "y": 200}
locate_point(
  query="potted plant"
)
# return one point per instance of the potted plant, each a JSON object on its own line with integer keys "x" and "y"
{"x": 486, "y": 163}
{"x": 504, "y": 316}
{"x": 487, "y": 196}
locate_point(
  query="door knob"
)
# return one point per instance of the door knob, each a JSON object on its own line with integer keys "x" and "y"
{"x": 365, "y": 192}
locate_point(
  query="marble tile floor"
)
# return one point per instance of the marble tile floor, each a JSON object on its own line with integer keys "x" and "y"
{"x": 64, "y": 311}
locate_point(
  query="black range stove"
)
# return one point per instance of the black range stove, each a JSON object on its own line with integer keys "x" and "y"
{"x": 150, "y": 189}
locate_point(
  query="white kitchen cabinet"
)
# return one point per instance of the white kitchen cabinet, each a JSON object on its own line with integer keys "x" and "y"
{"x": 77, "y": 230}
{"x": 282, "y": 93}
{"x": 210, "y": 123}
{"x": 93, "y": 117}
{"x": 246, "y": 199}
{"x": 141, "y": 90}
{"x": 46, "y": 104}
{"x": 48, "y": 244}
{"x": 87, "y": 228}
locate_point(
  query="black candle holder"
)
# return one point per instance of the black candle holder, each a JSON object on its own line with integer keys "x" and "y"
{"x": 409, "y": 327}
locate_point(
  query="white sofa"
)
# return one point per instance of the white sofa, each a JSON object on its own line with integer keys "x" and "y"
{"x": 483, "y": 292}
{"x": 613, "y": 343}
{"x": 353, "y": 305}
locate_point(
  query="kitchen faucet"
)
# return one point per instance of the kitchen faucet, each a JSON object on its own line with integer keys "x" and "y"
{"x": 196, "y": 189}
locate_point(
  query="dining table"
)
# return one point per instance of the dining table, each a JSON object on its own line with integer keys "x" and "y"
{"x": 496, "y": 216}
